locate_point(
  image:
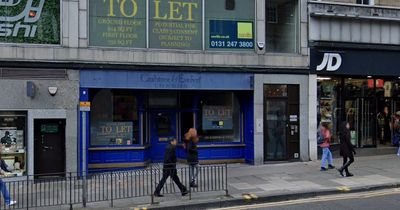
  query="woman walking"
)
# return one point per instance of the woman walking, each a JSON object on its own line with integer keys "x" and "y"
{"x": 346, "y": 149}
{"x": 191, "y": 141}
{"x": 326, "y": 152}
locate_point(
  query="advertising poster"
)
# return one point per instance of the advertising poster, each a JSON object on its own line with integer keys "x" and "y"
{"x": 217, "y": 118}
{"x": 231, "y": 34}
{"x": 117, "y": 23}
{"x": 11, "y": 135}
{"x": 176, "y": 24}
{"x": 112, "y": 133}
{"x": 30, "y": 21}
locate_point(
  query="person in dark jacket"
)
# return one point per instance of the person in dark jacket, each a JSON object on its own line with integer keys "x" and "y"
{"x": 191, "y": 141}
{"x": 169, "y": 170}
{"x": 3, "y": 187}
{"x": 346, "y": 149}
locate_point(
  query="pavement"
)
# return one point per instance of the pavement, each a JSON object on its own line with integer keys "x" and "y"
{"x": 387, "y": 199}
{"x": 275, "y": 182}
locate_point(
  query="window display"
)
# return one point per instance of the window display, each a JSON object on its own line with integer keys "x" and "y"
{"x": 219, "y": 118}
{"x": 114, "y": 118}
{"x": 12, "y": 138}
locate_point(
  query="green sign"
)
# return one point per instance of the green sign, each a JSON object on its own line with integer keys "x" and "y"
{"x": 30, "y": 21}
{"x": 117, "y": 23}
{"x": 175, "y": 24}
{"x": 49, "y": 128}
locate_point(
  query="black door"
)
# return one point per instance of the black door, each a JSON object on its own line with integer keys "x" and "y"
{"x": 49, "y": 147}
{"x": 281, "y": 122}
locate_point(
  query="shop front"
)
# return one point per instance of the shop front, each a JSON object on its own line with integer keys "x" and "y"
{"x": 134, "y": 114}
{"x": 362, "y": 88}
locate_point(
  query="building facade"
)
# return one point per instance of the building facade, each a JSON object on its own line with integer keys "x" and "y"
{"x": 117, "y": 79}
{"x": 354, "y": 47}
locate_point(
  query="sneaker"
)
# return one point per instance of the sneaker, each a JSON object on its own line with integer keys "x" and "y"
{"x": 193, "y": 184}
{"x": 331, "y": 167}
{"x": 323, "y": 169}
{"x": 184, "y": 193}
{"x": 11, "y": 203}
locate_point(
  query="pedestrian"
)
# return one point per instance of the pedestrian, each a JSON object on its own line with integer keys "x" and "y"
{"x": 326, "y": 152}
{"x": 347, "y": 150}
{"x": 3, "y": 187}
{"x": 191, "y": 141}
{"x": 169, "y": 170}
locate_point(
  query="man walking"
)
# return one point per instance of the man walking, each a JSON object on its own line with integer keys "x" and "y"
{"x": 169, "y": 169}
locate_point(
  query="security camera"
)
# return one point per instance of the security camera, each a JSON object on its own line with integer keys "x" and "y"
{"x": 260, "y": 45}
{"x": 53, "y": 91}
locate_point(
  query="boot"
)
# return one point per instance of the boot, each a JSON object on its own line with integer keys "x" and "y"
{"x": 341, "y": 171}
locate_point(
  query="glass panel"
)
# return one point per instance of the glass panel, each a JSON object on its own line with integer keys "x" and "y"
{"x": 359, "y": 87}
{"x": 328, "y": 105}
{"x": 384, "y": 118}
{"x": 163, "y": 123}
{"x": 276, "y": 129}
{"x": 114, "y": 117}
{"x": 219, "y": 117}
{"x": 187, "y": 122}
{"x": 163, "y": 99}
{"x": 282, "y": 29}
{"x": 229, "y": 26}
{"x": 12, "y": 134}
{"x": 275, "y": 91}
{"x": 352, "y": 114}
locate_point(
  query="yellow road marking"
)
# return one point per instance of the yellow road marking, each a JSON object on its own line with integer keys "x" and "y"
{"x": 317, "y": 199}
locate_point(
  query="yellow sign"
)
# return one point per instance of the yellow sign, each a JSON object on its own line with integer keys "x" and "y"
{"x": 84, "y": 106}
{"x": 245, "y": 30}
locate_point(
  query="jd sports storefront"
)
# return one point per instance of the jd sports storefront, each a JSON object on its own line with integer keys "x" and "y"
{"x": 362, "y": 88}
{"x": 133, "y": 115}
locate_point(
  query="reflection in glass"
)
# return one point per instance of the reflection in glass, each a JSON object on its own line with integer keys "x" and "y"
{"x": 282, "y": 29}
{"x": 276, "y": 129}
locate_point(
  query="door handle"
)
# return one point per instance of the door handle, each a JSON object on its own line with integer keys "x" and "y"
{"x": 46, "y": 147}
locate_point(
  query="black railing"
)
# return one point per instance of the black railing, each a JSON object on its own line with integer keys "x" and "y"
{"x": 71, "y": 189}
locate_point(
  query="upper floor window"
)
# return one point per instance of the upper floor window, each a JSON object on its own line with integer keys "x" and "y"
{"x": 365, "y": 2}
{"x": 282, "y": 26}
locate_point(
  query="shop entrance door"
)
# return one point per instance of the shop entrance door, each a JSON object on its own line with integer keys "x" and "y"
{"x": 49, "y": 141}
{"x": 163, "y": 127}
{"x": 281, "y": 122}
{"x": 361, "y": 115}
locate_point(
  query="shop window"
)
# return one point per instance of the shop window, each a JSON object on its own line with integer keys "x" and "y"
{"x": 13, "y": 140}
{"x": 282, "y": 27}
{"x": 219, "y": 117}
{"x": 114, "y": 118}
{"x": 359, "y": 87}
{"x": 276, "y": 91}
{"x": 328, "y": 106}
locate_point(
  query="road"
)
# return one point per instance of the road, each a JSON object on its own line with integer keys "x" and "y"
{"x": 374, "y": 200}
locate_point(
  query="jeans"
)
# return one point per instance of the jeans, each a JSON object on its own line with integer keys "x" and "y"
{"x": 3, "y": 189}
{"x": 326, "y": 156}
{"x": 193, "y": 171}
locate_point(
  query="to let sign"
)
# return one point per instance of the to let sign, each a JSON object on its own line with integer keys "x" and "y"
{"x": 117, "y": 23}
{"x": 176, "y": 24}
{"x": 231, "y": 34}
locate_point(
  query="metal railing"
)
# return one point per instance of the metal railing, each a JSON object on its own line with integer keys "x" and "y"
{"x": 71, "y": 189}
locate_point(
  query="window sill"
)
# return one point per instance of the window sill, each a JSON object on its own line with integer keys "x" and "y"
{"x": 221, "y": 145}
{"x": 118, "y": 148}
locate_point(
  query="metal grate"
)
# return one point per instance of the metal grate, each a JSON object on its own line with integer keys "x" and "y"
{"x": 29, "y": 73}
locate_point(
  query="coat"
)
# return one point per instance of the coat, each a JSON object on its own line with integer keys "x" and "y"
{"x": 192, "y": 153}
{"x": 170, "y": 157}
{"x": 346, "y": 147}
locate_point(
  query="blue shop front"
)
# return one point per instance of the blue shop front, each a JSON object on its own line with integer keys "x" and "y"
{"x": 127, "y": 117}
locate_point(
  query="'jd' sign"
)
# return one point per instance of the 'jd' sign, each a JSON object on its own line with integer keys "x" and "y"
{"x": 26, "y": 19}
{"x": 331, "y": 61}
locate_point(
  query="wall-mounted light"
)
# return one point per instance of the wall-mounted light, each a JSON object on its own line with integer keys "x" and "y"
{"x": 323, "y": 78}
{"x": 369, "y": 77}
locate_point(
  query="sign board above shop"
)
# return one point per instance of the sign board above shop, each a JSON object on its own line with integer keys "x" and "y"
{"x": 355, "y": 62}
{"x": 172, "y": 24}
{"x": 27, "y": 21}
{"x": 165, "y": 80}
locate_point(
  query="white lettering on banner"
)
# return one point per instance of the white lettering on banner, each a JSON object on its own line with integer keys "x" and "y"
{"x": 30, "y": 14}
{"x": 328, "y": 60}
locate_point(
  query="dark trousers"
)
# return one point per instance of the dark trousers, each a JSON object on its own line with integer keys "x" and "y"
{"x": 169, "y": 172}
{"x": 347, "y": 161}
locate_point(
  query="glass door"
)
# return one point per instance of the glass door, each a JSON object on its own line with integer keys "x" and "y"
{"x": 396, "y": 122}
{"x": 163, "y": 126}
{"x": 275, "y": 136}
